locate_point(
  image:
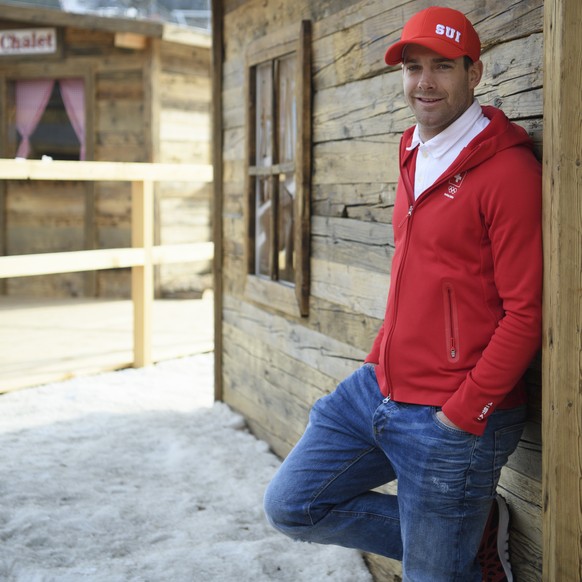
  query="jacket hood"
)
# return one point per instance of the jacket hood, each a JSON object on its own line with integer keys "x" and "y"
{"x": 499, "y": 135}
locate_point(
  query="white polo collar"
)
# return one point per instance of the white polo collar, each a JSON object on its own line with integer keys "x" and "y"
{"x": 441, "y": 143}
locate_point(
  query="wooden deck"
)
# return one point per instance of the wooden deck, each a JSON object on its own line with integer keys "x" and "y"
{"x": 49, "y": 340}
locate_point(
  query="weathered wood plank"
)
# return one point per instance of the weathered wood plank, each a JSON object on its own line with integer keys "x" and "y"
{"x": 525, "y": 534}
{"x": 384, "y": 569}
{"x": 359, "y": 290}
{"x": 368, "y": 245}
{"x": 351, "y": 45}
{"x": 184, "y": 90}
{"x": 185, "y": 59}
{"x": 337, "y": 322}
{"x": 525, "y": 558}
{"x": 183, "y": 126}
{"x": 332, "y": 357}
{"x": 369, "y": 159}
{"x": 360, "y": 108}
{"x": 365, "y": 201}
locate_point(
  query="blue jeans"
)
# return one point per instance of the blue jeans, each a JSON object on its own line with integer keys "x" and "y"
{"x": 356, "y": 441}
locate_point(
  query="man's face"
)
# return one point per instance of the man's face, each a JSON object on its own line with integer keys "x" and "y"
{"x": 438, "y": 90}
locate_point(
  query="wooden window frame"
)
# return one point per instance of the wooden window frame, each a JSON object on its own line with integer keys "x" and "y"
{"x": 290, "y": 299}
{"x": 50, "y": 71}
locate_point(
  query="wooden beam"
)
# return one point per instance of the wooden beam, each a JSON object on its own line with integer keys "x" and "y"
{"x": 562, "y": 349}
{"x": 142, "y": 277}
{"x": 130, "y": 40}
{"x": 100, "y": 171}
{"x": 217, "y": 134}
{"x": 187, "y": 36}
{"x": 304, "y": 165}
{"x": 35, "y": 14}
{"x": 99, "y": 259}
{"x": 70, "y": 262}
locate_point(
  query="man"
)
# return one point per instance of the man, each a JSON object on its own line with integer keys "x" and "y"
{"x": 439, "y": 404}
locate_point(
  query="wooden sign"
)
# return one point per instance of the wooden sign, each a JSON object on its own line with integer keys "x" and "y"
{"x": 28, "y": 41}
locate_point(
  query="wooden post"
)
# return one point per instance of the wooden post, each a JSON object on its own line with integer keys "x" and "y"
{"x": 562, "y": 349}
{"x": 217, "y": 58}
{"x": 142, "y": 277}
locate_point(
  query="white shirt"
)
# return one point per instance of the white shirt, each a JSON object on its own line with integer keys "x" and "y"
{"x": 437, "y": 154}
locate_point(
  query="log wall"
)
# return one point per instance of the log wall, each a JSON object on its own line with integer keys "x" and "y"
{"x": 276, "y": 366}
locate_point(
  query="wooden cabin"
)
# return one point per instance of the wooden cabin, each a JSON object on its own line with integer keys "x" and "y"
{"x": 83, "y": 87}
{"x": 308, "y": 121}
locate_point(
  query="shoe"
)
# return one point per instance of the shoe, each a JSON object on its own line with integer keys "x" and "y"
{"x": 494, "y": 549}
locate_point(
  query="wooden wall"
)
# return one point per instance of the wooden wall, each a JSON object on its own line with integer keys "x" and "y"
{"x": 184, "y": 95}
{"x": 275, "y": 366}
{"x": 145, "y": 104}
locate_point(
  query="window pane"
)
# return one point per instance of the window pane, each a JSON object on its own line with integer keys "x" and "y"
{"x": 264, "y": 116}
{"x": 285, "y": 228}
{"x": 263, "y": 218}
{"x": 287, "y": 108}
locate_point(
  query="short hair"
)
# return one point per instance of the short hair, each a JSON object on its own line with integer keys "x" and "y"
{"x": 467, "y": 62}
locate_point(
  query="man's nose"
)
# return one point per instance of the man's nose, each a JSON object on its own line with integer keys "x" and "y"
{"x": 426, "y": 81}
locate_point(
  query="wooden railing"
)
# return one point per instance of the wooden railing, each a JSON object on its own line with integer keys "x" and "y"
{"x": 141, "y": 256}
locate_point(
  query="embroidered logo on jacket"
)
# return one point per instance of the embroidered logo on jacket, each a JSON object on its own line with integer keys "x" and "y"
{"x": 485, "y": 411}
{"x": 454, "y": 184}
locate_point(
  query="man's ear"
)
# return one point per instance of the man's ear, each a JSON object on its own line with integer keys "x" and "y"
{"x": 475, "y": 74}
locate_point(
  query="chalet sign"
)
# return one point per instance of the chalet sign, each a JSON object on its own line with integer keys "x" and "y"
{"x": 28, "y": 41}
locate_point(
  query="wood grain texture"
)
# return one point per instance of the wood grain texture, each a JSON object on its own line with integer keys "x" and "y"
{"x": 562, "y": 347}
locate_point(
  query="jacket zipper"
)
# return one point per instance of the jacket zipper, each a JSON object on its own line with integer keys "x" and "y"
{"x": 408, "y": 214}
{"x": 396, "y": 300}
{"x": 453, "y": 343}
{"x": 452, "y": 340}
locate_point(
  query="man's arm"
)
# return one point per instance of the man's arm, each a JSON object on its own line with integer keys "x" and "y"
{"x": 512, "y": 213}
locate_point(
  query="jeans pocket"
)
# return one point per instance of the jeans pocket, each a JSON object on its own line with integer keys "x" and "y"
{"x": 451, "y": 430}
{"x": 506, "y": 441}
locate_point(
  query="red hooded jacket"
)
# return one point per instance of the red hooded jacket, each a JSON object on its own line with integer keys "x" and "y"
{"x": 463, "y": 316}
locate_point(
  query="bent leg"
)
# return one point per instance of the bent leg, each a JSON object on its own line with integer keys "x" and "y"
{"x": 323, "y": 490}
{"x": 447, "y": 480}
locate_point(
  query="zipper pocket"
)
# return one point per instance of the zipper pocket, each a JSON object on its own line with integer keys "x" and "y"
{"x": 451, "y": 323}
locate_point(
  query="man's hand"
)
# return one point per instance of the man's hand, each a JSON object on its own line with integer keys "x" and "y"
{"x": 444, "y": 419}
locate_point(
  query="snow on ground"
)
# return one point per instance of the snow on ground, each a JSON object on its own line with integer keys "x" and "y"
{"x": 137, "y": 476}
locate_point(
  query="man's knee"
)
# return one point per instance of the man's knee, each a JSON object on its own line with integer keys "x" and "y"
{"x": 285, "y": 514}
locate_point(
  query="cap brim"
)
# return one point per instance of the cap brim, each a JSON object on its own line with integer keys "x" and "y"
{"x": 393, "y": 55}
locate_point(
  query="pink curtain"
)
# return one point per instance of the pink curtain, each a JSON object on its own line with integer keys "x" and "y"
{"x": 32, "y": 96}
{"x": 73, "y": 94}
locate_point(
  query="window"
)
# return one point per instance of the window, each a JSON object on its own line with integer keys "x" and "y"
{"x": 279, "y": 170}
{"x": 49, "y": 118}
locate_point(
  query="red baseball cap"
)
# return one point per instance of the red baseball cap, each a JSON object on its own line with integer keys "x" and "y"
{"x": 446, "y": 31}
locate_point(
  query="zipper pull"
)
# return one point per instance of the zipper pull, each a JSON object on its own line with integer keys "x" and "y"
{"x": 408, "y": 215}
{"x": 453, "y": 349}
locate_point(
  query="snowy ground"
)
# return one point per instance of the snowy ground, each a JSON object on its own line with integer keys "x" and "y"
{"x": 136, "y": 476}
